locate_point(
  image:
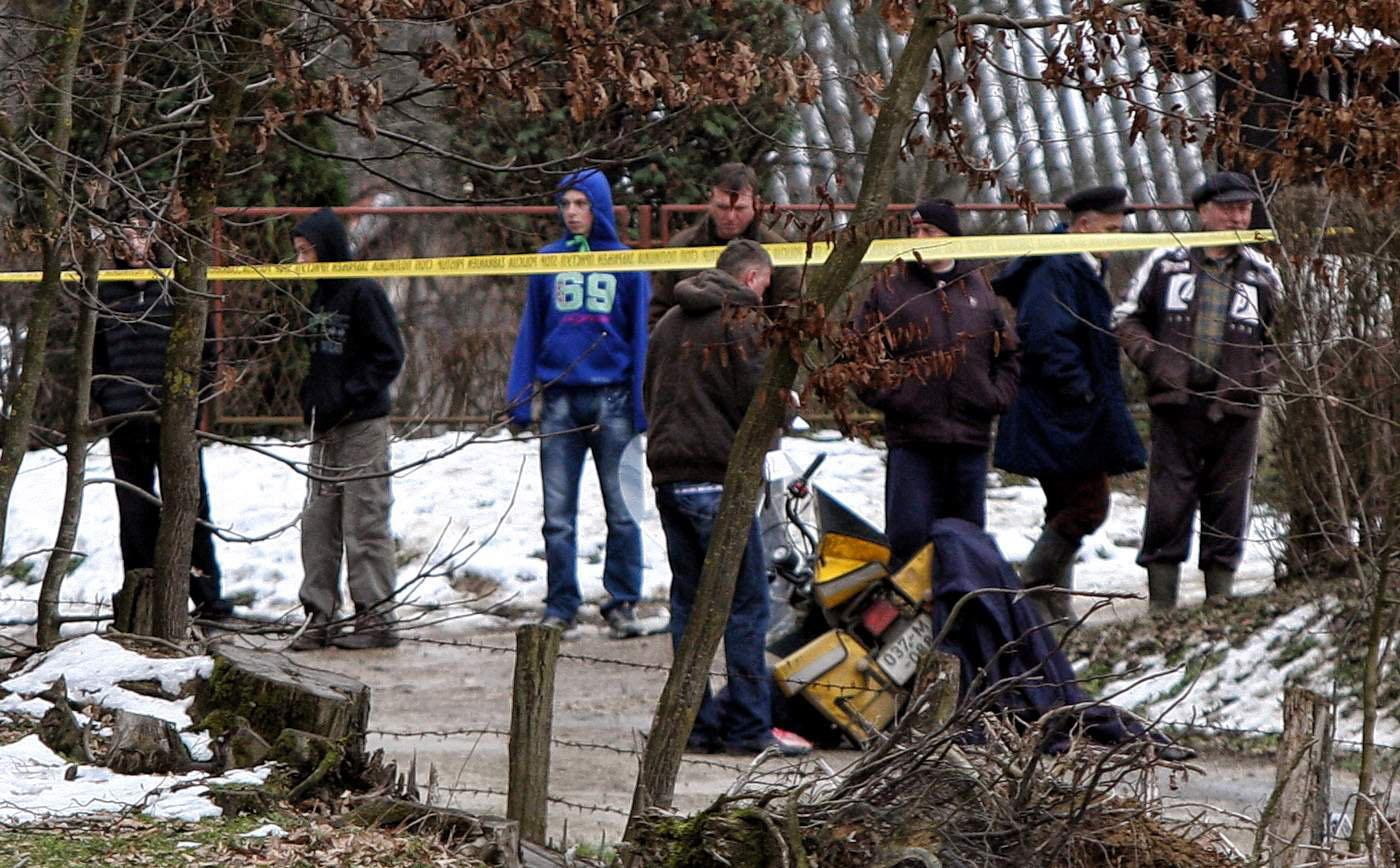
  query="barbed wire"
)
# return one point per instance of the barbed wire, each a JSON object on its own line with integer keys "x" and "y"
{"x": 556, "y": 800}
{"x": 561, "y": 742}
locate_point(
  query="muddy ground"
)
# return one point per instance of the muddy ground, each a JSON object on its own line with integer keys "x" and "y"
{"x": 425, "y": 685}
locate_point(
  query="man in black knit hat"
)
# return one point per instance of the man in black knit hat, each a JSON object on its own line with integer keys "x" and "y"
{"x": 948, "y": 369}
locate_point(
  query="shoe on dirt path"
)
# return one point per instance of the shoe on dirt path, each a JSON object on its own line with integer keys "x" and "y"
{"x": 623, "y": 623}
{"x": 315, "y": 636}
{"x": 372, "y": 630}
{"x": 780, "y": 740}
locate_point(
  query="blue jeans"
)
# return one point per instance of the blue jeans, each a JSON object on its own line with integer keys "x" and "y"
{"x": 577, "y": 420}
{"x": 742, "y": 715}
{"x": 925, "y": 484}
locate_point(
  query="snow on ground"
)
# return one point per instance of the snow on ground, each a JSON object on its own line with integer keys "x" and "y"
{"x": 94, "y": 668}
{"x": 35, "y": 783}
{"x": 35, "y": 786}
{"x": 1242, "y": 688}
{"x": 478, "y": 509}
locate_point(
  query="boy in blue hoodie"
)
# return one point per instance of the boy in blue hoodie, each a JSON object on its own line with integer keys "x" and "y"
{"x": 582, "y": 344}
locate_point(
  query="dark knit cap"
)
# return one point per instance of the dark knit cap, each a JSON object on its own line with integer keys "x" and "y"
{"x": 1225, "y": 187}
{"x": 937, "y": 212}
{"x": 1105, "y": 200}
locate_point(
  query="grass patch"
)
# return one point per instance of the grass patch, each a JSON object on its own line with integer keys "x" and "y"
{"x": 310, "y": 842}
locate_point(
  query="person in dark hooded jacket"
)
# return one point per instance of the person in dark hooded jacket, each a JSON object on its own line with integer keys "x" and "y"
{"x": 128, "y": 372}
{"x": 1069, "y": 426}
{"x": 949, "y": 369}
{"x": 703, "y": 369}
{"x": 356, "y": 354}
{"x": 582, "y": 347}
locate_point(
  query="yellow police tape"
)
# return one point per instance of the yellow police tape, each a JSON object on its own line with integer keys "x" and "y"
{"x": 693, "y": 258}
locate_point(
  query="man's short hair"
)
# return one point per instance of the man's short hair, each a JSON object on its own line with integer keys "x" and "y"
{"x": 734, "y": 178}
{"x": 740, "y": 255}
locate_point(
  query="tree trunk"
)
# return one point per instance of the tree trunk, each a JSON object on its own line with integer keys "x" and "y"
{"x": 184, "y": 355}
{"x": 680, "y": 700}
{"x": 78, "y": 440}
{"x": 20, "y": 410}
{"x": 79, "y": 433}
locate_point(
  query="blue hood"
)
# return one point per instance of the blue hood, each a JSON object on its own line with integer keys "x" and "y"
{"x": 594, "y": 184}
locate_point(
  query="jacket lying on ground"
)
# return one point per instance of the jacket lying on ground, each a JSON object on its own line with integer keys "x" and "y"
{"x": 582, "y": 328}
{"x": 1070, "y": 416}
{"x": 1010, "y": 660}
{"x": 128, "y": 353}
{"x": 953, "y": 365}
{"x": 703, "y": 368}
{"x": 1158, "y": 320}
{"x": 356, "y": 349}
{"x": 787, "y": 282}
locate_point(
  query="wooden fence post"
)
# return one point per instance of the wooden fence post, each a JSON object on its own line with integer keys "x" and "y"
{"x": 1296, "y": 816}
{"x": 531, "y": 727}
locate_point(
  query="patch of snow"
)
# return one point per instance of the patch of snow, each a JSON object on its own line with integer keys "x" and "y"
{"x": 186, "y": 805}
{"x": 244, "y": 777}
{"x": 33, "y": 788}
{"x": 199, "y": 745}
{"x": 93, "y": 666}
{"x": 15, "y": 704}
{"x": 269, "y": 830}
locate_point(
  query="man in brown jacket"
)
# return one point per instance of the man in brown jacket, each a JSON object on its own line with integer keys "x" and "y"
{"x": 948, "y": 369}
{"x": 732, "y": 212}
{"x": 1197, "y": 323}
{"x": 703, "y": 366}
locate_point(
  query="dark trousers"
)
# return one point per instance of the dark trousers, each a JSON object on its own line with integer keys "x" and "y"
{"x": 926, "y": 483}
{"x": 135, "y": 446}
{"x": 1200, "y": 463}
{"x": 1075, "y": 506}
{"x": 742, "y": 715}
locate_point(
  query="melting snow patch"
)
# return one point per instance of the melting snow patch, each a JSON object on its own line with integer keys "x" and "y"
{"x": 270, "y": 830}
{"x": 187, "y": 805}
{"x": 33, "y": 788}
{"x": 94, "y": 666}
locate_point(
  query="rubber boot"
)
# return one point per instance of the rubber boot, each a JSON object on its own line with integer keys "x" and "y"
{"x": 1220, "y": 583}
{"x": 372, "y": 630}
{"x": 1051, "y": 565}
{"x": 1163, "y": 582}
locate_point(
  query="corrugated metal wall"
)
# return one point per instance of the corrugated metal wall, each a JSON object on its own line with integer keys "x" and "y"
{"x": 1049, "y": 141}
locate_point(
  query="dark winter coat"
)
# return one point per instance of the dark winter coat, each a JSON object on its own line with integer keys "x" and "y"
{"x": 953, "y": 366}
{"x": 787, "y": 282}
{"x": 128, "y": 353}
{"x": 356, "y": 349}
{"x": 1004, "y": 646}
{"x": 1160, "y": 321}
{"x": 703, "y": 367}
{"x": 1070, "y": 416}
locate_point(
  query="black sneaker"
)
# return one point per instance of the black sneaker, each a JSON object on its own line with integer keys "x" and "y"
{"x": 703, "y": 744}
{"x": 623, "y": 623}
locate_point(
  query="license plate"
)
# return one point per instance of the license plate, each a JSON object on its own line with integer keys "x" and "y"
{"x": 901, "y": 655}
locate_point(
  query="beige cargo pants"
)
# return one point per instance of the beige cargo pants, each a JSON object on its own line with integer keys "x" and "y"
{"x": 350, "y": 515}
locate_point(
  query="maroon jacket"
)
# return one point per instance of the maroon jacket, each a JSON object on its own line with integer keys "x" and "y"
{"x": 704, "y": 360}
{"x": 951, "y": 364}
{"x": 1158, "y": 320}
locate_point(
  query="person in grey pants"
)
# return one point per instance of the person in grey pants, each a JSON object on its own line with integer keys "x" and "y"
{"x": 356, "y": 354}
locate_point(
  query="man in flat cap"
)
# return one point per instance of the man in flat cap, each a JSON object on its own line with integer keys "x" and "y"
{"x": 1069, "y": 427}
{"x": 949, "y": 369}
{"x": 1197, "y": 323}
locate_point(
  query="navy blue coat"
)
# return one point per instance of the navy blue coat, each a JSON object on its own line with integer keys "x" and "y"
{"x": 1070, "y": 416}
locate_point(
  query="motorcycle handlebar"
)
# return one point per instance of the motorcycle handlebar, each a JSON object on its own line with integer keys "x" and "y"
{"x": 798, "y": 486}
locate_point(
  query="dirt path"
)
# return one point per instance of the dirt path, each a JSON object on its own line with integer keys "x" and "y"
{"x": 427, "y": 686}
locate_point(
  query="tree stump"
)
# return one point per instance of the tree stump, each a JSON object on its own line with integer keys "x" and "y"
{"x": 145, "y": 745}
{"x": 273, "y": 693}
{"x": 59, "y": 728}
